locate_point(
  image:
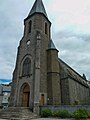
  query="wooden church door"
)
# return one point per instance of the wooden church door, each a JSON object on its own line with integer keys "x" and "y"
{"x": 26, "y": 96}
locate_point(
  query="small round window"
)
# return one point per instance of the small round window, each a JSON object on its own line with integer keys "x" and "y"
{"x": 28, "y": 42}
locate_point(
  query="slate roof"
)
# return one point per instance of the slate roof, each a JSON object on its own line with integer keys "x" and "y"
{"x": 67, "y": 71}
{"x": 38, "y": 7}
{"x": 51, "y": 45}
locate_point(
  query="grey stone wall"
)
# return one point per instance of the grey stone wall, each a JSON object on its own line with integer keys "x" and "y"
{"x": 78, "y": 92}
{"x": 65, "y": 95}
{"x": 74, "y": 89}
{"x": 53, "y": 77}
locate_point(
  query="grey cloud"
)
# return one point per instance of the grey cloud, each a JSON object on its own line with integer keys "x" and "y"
{"x": 9, "y": 37}
{"x": 74, "y": 50}
{"x": 68, "y": 33}
{"x": 12, "y": 14}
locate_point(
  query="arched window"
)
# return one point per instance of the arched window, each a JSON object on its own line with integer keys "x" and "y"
{"x": 26, "y": 67}
{"x": 45, "y": 28}
{"x": 30, "y": 26}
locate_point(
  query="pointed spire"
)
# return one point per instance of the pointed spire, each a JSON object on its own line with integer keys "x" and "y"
{"x": 51, "y": 45}
{"x": 38, "y": 7}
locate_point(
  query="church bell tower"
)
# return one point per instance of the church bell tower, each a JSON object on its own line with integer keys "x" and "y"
{"x": 29, "y": 86}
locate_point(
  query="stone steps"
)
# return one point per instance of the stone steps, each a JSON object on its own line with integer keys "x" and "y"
{"x": 17, "y": 113}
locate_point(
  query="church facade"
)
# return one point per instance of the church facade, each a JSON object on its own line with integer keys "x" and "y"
{"x": 40, "y": 77}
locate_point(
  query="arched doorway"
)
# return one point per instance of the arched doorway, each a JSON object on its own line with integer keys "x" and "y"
{"x": 25, "y": 95}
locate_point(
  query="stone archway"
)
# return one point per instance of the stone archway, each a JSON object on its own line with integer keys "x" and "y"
{"x": 25, "y": 95}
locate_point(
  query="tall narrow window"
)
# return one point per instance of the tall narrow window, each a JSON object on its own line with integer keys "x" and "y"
{"x": 26, "y": 67}
{"x": 45, "y": 28}
{"x": 30, "y": 26}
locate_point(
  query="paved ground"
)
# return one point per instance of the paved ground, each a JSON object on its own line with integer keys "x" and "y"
{"x": 50, "y": 119}
{"x": 43, "y": 119}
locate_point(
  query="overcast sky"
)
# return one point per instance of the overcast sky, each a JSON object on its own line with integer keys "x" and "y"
{"x": 70, "y": 32}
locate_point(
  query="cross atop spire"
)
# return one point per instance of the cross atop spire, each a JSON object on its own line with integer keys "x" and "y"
{"x": 38, "y": 7}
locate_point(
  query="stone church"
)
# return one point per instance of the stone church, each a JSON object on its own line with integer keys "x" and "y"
{"x": 40, "y": 77}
